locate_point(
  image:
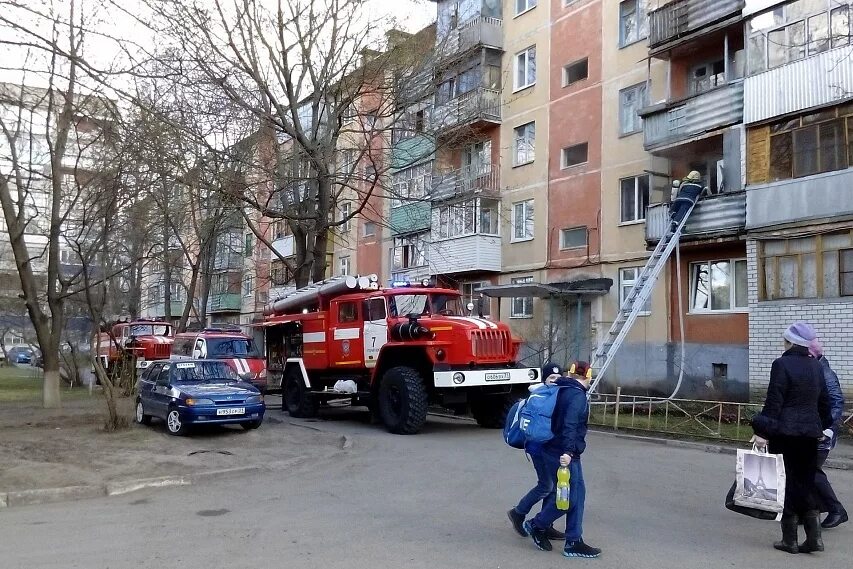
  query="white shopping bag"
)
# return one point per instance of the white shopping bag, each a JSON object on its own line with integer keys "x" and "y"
{"x": 760, "y": 480}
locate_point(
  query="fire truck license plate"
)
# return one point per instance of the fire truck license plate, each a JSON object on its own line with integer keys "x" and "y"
{"x": 232, "y": 411}
{"x": 500, "y": 376}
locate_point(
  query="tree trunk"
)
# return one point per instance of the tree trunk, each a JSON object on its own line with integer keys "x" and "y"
{"x": 51, "y": 398}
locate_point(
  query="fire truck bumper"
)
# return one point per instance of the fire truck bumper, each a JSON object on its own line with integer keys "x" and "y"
{"x": 485, "y": 377}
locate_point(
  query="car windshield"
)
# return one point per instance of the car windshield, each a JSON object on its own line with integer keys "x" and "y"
{"x": 188, "y": 372}
{"x": 149, "y": 330}
{"x": 423, "y": 304}
{"x": 231, "y": 348}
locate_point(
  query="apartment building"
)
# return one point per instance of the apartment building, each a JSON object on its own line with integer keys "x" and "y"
{"x": 798, "y": 117}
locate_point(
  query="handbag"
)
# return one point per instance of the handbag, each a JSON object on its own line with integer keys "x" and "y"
{"x": 759, "y": 488}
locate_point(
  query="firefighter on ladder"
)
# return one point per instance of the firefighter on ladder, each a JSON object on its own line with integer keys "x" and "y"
{"x": 688, "y": 193}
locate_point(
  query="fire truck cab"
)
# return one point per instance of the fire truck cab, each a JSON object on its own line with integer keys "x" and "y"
{"x": 396, "y": 350}
{"x": 145, "y": 340}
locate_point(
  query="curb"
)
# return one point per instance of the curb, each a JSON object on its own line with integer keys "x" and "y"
{"x": 46, "y": 495}
{"x": 835, "y": 464}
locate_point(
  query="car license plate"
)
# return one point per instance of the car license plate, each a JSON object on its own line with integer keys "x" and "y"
{"x": 232, "y": 411}
{"x": 501, "y": 376}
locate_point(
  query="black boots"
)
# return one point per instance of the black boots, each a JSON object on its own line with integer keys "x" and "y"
{"x": 789, "y": 535}
{"x": 813, "y": 541}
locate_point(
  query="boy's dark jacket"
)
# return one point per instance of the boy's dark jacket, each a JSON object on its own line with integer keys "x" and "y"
{"x": 569, "y": 421}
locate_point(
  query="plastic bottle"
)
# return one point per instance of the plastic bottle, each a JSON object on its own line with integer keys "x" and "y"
{"x": 563, "y": 478}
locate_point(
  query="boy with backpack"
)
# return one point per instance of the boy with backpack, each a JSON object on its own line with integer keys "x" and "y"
{"x": 565, "y": 447}
{"x": 545, "y": 480}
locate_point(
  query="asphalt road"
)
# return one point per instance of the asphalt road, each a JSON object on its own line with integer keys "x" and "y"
{"x": 435, "y": 500}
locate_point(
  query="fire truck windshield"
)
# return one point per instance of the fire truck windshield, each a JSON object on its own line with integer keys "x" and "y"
{"x": 231, "y": 348}
{"x": 424, "y": 304}
{"x": 149, "y": 330}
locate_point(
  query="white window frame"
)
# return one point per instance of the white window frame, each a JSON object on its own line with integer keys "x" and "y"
{"x": 522, "y": 58}
{"x": 524, "y": 134}
{"x": 470, "y": 293}
{"x": 364, "y": 227}
{"x": 528, "y": 213}
{"x": 528, "y": 6}
{"x": 526, "y": 302}
{"x": 732, "y": 288}
{"x": 639, "y": 8}
{"x": 564, "y": 165}
{"x": 625, "y": 285}
{"x": 346, "y": 211}
{"x": 566, "y": 67}
{"x": 564, "y": 247}
{"x": 639, "y": 214}
{"x": 344, "y": 266}
{"x": 248, "y": 285}
{"x": 639, "y": 91}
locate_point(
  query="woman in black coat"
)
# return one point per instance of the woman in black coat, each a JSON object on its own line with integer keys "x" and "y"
{"x": 795, "y": 413}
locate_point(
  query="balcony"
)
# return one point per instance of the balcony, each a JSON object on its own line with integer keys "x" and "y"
{"x": 470, "y": 253}
{"x": 224, "y": 302}
{"x": 482, "y": 180}
{"x": 409, "y": 217}
{"x": 681, "y": 18}
{"x": 480, "y": 31}
{"x": 410, "y": 274}
{"x": 679, "y": 121}
{"x": 479, "y": 105}
{"x": 283, "y": 246}
{"x": 719, "y": 215}
{"x": 159, "y": 310}
{"x": 827, "y": 195}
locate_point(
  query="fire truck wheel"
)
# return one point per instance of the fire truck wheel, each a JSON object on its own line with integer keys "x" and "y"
{"x": 403, "y": 401}
{"x": 490, "y": 411}
{"x": 297, "y": 399}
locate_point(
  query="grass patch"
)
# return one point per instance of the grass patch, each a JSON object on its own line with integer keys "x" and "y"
{"x": 24, "y": 385}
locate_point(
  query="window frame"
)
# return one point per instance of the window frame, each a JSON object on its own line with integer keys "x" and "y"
{"x": 367, "y": 223}
{"x": 639, "y": 9}
{"x": 528, "y": 208}
{"x": 822, "y": 252}
{"x": 733, "y": 290}
{"x": 527, "y": 308}
{"x": 565, "y": 149}
{"x": 566, "y": 67}
{"x": 578, "y": 228}
{"x": 526, "y": 54}
{"x": 470, "y": 293}
{"x": 528, "y": 136}
{"x": 344, "y": 261}
{"x": 346, "y": 212}
{"x": 625, "y": 283}
{"x": 529, "y": 5}
{"x": 641, "y": 93}
{"x": 639, "y": 212}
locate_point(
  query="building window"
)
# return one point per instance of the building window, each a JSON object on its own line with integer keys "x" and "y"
{"x": 343, "y": 266}
{"x": 802, "y": 146}
{"x": 627, "y": 278}
{"x": 248, "y": 244}
{"x": 477, "y": 216}
{"x": 248, "y": 285}
{"x": 634, "y": 197}
{"x": 522, "y": 221}
{"x": 707, "y": 76}
{"x": 522, "y": 6}
{"x": 409, "y": 251}
{"x": 368, "y": 229}
{"x": 411, "y": 184}
{"x": 370, "y": 173}
{"x": 807, "y": 267}
{"x": 718, "y": 286}
{"x": 794, "y": 31}
{"x": 280, "y": 229}
{"x": 521, "y": 306}
{"x": 280, "y": 275}
{"x": 633, "y": 22}
{"x": 525, "y": 143}
{"x": 471, "y": 294}
{"x": 631, "y": 100}
{"x": 574, "y": 72}
{"x": 573, "y": 238}
{"x": 346, "y": 216}
{"x": 525, "y": 68}
{"x": 575, "y": 155}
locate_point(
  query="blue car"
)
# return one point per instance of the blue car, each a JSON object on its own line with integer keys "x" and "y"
{"x": 24, "y": 358}
{"x": 195, "y": 392}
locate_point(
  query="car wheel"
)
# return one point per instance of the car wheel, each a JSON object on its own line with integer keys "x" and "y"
{"x": 250, "y": 425}
{"x": 141, "y": 417}
{"x": 174, "y": 424}
{"x": 403, "y": 400}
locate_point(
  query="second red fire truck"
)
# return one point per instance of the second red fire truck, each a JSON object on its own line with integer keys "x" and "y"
{"x": 396, "y": 350}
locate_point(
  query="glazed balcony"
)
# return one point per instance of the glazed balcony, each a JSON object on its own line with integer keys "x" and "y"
{"x": 682, "y": 20}
{"x": 681, "y": 120}
{"x": 720, "y": 215}
{"x": 482, "y": 180}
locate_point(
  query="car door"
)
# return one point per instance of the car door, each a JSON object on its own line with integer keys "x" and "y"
{"x": 146, "y": 386}
{"x": 161, "y": 392}
{"x": 346, "y": 342}
{"x": 375, "y": 329}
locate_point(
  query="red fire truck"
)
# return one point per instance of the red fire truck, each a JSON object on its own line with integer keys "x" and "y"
{"x": 147, "y": 340}
{"x": 396, "y": 350}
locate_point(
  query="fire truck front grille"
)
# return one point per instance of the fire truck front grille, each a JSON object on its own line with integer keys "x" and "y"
{"x": 490, "y": 344}
{"x": 161, "y": 351}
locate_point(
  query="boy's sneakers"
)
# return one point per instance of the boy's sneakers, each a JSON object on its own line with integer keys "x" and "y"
{"x": 555, "y": 534}
{"x": 539, "y": 536}
{"x": 517, "y": 521}
{"x": 580, "y": 549}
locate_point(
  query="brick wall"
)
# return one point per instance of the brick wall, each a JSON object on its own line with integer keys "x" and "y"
{"x": 833, "y": 319}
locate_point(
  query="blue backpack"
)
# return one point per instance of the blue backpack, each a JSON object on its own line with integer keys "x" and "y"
{"x": 535, "y": 416}
{"x": 513, "y": 435}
